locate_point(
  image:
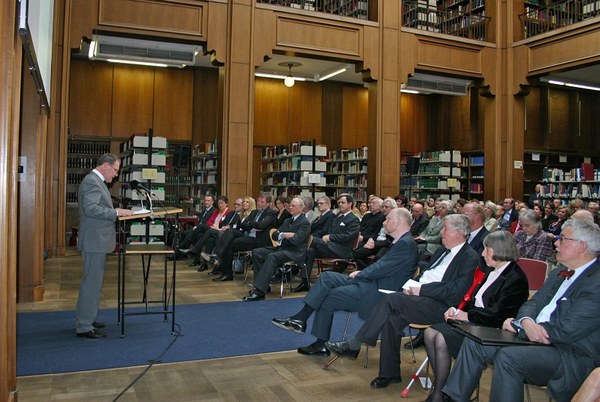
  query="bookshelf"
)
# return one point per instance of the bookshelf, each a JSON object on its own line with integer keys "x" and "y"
{"x": 438, "y": 175}
{"x": 347, "y": 173}
{"x": 296, "y": 169}
{"x": 205, "y": 170}
{"x": 472, "y": 175}
{"x": 562, "y": 175}
{"x": 82, "y": 155}
{"x": 178, "y": 181}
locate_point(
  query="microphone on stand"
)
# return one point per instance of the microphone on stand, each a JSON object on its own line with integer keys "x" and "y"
{"x": 136, "y": 185}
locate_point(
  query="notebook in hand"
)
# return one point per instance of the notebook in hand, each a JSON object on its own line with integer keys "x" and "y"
{"x": 489, "y": 336}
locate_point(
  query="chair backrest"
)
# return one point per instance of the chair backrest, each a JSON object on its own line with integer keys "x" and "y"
{"x": 309, "y": 242}
{"x": 536, "y": 272}
{"x": 273, "y": 242}
{"x": 356, "y": 241}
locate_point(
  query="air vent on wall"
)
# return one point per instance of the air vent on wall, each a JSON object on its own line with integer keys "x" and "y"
{"x": 431, "y": 84}
{"x": 140, "y": 51}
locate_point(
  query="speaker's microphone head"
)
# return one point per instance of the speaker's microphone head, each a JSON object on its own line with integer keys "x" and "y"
{"x": 134, "y": 184}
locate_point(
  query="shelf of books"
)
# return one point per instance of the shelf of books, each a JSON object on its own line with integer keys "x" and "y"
{"x": 472, "y": 175}
{"x": 438, "y": 175}
{"x": 205, "y": 171}
{"x": 347, "y": 173}
{"x": 294, "y": 169}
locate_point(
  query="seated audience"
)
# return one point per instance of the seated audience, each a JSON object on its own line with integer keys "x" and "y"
{"x": 309, "y": 204}
{"x": 430, "y": 207}
{"x": 420, "y": 220}
{"x": 536, "y": 196}
{"x": 593, "y": 207}
{"x": 576, "y": 204}
{"x": 498, "y": 297}
{"x": 532, "y": 241}
{"x": 509, "y": 216}
{"x": 282, "y": 212}
{"x": 358, "y": 291}
{"x": 562, "y": 317}
{"x": 377, "y": 245}
{"x": 292, "y": 238}
{"x": 372, "y": 221}
{"x": 401, "y": 201}
{"x": 425, "y": 301}
{"x": 554, "y": 229}
{"x": 431, "y": 239}
{"x": 363, "y": 208}
{"x": 322, "y": 225}
{"x": 490, "y": 223}
{"x": 549, "y": 216}
{"x": 337, "y": 243}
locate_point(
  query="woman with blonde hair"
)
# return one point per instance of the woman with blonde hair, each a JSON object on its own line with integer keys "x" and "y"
{"x": 490, "y": 223}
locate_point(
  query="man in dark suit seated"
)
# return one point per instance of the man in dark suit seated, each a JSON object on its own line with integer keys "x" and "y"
{"x": 205, "y": 221}
{"x": 293, "y": 238}
{"x": 337, "y": 244}
{"x": 510, "y": 214}
{"x": 476, "y": 214}
{"x": 424, "y": 301}
{"x": 372, "y": 221}
{"x": 562, "y": 315}
{"x": 322, "y": 224}
{"x": 420, "y": 220}
{"x": 376, "y": 245}
{"x": 358, "y": 291}
{"x": 256, "y": 234}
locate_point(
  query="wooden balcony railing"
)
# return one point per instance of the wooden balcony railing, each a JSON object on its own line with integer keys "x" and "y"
{"x": 540, "y": 19}
{"x": 346, "y": 8}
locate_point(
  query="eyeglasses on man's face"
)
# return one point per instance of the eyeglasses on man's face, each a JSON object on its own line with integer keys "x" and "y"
{"x": 563, "y": 238}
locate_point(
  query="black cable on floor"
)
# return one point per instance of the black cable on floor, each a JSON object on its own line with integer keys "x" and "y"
{"x": 176, "y": 335}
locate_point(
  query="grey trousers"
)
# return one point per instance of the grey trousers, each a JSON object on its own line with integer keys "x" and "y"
{"x": 88, "y": 300}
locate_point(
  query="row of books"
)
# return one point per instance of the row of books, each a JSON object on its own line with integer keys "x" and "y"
{"x": 585, "y": 173}
{"x": 303, "y": 148}
{"x": 295, "y": 163}
{"x": 205, "y": 164}
{"x": 473, "y": 161}
{"x": 566, "y": 190}
{"x": 430, "y": 183}
{"x": 347, "y": 154}
{"x": 93, "y": 148}
{"x": 205, "y": 148}
{"x": 348, "y": 181}
{"x": 345, "y": 168}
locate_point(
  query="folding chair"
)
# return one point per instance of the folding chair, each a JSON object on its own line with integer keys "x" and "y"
{"x": 335, "y": 357}
{"x": 536, "y": 272}
{"x": 288, "y": 269}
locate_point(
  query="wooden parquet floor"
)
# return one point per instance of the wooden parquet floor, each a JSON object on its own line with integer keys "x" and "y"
{"x": 283, "y": 376}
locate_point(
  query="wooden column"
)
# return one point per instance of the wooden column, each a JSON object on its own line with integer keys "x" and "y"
{"x": 10, "y": 74}
{"x": 384, "y": 104}
{"x": 238, "y": 101}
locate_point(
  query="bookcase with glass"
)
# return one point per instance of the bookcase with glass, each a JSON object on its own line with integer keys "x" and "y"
{"x": 347, "y": 173}
{"x": 438, "y": 175}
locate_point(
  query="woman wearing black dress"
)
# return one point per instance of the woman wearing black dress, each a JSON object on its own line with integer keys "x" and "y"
{"x": 498, "y": 297}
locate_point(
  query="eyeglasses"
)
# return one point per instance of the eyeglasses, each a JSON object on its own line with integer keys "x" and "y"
{"x": 114, "y": 168}
{"x": 562, "y": 238}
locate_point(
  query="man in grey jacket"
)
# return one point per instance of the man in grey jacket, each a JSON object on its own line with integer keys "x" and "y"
{"x": 97, "y": 238}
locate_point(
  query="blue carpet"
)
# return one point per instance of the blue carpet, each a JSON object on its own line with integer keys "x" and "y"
{"x": 46, "y": 342}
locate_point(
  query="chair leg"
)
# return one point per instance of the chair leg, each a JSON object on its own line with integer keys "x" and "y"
{"x": 412, "y": 349}
{"x": 281, "y": 271}
{"x": 335, "y": 357}
{"x": 366, "y": 357}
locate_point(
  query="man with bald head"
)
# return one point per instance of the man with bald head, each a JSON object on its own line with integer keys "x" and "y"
{"x": 420, "y": 220}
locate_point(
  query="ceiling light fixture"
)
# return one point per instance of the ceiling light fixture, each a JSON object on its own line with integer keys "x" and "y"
{"x": 289, "y": 81}
{"x": 335, "y": 71}
{"x": 562, "y": 82}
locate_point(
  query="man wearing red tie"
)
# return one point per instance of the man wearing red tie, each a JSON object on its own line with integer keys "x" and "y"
{"x": 562, "y": 315}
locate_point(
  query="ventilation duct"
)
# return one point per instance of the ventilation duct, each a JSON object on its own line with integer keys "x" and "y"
{"x": 140, "y": 51}
{"x": 432, "y": 84}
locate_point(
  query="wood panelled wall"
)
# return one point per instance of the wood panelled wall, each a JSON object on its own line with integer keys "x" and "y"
{"x": 116, "y": 101}
{"x": 563, "y": 120}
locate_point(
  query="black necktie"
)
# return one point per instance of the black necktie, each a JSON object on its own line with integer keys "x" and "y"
{"x": 439, "y": 260}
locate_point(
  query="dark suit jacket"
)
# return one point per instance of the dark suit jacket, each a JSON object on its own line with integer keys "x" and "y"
{"x": 477, "y": 242}
{"x": 342, "y": 235}
{"x": 322, "y": 225}
{"x": 504, "y": 225}
{"x": 419, "y": 225}
{"x": 231, "y": 219}
{"x": 370, "y": 225}
{"x": 502, "y": 299}
{"x": 296, "y": 246}
{"x": 573, "y": 328}
{"x": 390, "y": 272}
{"x": 262, "y": 226}
{"x": 206, "y": 215}
{"x": 457, "y": 279}
{"x": 279, "y": 220}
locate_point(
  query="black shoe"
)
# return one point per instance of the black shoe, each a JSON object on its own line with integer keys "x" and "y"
{"x": 313, "y": 350}
{"x": 202, "y": 267}
{"x": 215, "y": 271}
{"x": 223, "y": 278}
{"x": 93, "y": 334}
{"x": 303, "y": 287}
{"x": 417, "y": 342}
{"x": 382, "y": 382}
{"x": 290, "y": 324}
{"x": 98, "y": 324}
{"x": 194, "y": 263}
{"x": 184, "y": 251}
{"x": 342, "y": 349}
{"x": 254, "y": 296}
